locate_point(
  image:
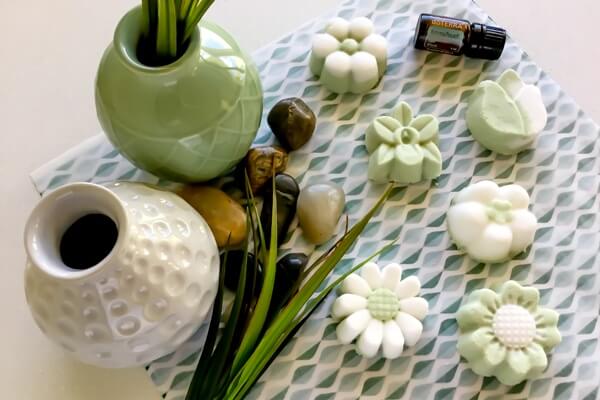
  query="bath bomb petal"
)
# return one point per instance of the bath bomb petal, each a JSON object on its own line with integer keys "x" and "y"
{"x": 415, "y": 306}
{"x": 391, "y": 276}
{"x": 471, "y": 345}
{"x": 403, "y": 113}
{"x": 370, "y": 272}
{"x": 393, "y": 340}
{"x": 338, "y": 65}
{"x": 370, "y": 340}
{"x": 482, "y": 192}
{"x": 523, "y": 227}
{"x": 354, "y": 325}
{"x": 356, "y": 285}
{"x": 428, "y": 127}
{"x": 408, "y": 165}
{"x": 324, "y": 44}
{"x": 537, "y": 357}
{"x": 519, "y": 365}
{"x": 364, "y": 75}
{"x": 360, "y": 28}
{"x": 377, "y": 45}
{"x": 339, "y": 28}
{"x": 466, "y": 222}
{"x": 381, "y": 131}
{"x": 511, "y": 82}
{"x": 530, "y": 103}
{"x": 472, "y": 315}
{"x": 495, "y": 353}
{"x": 409, "y": 287}
{"x": 380, "y": 164}
{"x": 410, "y": 326}
{"x": 432, "y": 161}
{"x": 494, "y": 245}
{"x": 347, "y": 304}
{"x": 516, "y": 195}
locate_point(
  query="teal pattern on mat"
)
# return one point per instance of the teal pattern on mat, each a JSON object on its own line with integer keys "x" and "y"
{"x": 561, "y": 174}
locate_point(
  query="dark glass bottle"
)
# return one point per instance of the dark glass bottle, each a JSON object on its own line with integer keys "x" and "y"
{"x": 458, "y": 36}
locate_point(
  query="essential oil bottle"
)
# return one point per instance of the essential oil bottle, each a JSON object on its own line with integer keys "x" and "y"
{"x": 458, "y": 36}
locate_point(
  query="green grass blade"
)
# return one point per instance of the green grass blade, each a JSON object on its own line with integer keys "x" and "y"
{"x": 275, "y": 333}
{"x": 184, "y": 9}
{"x": 225, "y": 349}
{"x": 194, "y": 16}
{"x": 257, "y": 321}
{"x": 297, "y": 323}
{"x": 166, "y": 35}
{"x": 211, "y": 338}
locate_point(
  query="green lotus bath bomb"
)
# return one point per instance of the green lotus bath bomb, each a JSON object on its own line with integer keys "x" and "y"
{"x": 505, "y": 116}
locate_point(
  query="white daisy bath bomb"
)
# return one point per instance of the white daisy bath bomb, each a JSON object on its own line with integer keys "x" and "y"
{"x": 505, "y": 116}
{"x": 491, "y": 223}
{"x": 349, "y": 56}
{"x": 380, "y": 309}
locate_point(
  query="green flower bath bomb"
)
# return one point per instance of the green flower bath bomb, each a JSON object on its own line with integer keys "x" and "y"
{"x": 505, "y": 116}
{"x": 507, "y": 334}
{"x": 403, "y": 149}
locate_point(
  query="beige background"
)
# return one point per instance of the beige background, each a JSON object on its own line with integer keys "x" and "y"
{"x": 49, "y": 51}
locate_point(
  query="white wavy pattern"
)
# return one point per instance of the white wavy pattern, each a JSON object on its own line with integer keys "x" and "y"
{"x": 561, "y": 174}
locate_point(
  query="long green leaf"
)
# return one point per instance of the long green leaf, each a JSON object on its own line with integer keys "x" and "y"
{"x": 184, "y": 9}
{"x": 194, "y": 16}
{"x": 166, "y": 35}
{"x": 275, "y": 333}
{"x": 257, "y": 321}
{"x": 224, "y": 348}
{"x": 310, "y": 307}
{"x": 211, "y": 338}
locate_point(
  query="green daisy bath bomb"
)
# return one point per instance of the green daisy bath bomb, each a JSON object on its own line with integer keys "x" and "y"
{"x": 505, "y": 116}
{"x": 403, "y": 149}
{"x": 507, "y": 334}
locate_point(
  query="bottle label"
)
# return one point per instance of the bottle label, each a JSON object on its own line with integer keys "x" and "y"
{"x": 444, "y": 39}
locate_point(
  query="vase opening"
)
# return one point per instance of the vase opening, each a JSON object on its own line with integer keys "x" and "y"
{"x": 88, "y": 241}
{"x": 135, "y": 48}
{"x": 75, "y": 230}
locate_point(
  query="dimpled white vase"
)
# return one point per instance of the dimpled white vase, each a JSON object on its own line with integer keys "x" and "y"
{"x": 141, "y": 301}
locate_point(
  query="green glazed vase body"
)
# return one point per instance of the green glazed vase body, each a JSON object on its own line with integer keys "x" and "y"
{"x": 189, "y": 121}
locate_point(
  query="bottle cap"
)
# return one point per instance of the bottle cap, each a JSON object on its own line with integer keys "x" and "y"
{"x": 485, "y": 42}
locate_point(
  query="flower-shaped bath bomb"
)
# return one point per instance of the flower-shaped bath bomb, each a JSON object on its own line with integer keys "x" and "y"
{"x": 403, "y": 149}
{"x": 506, "y": 334}
{"x": 349, "y": 57}
{"x": 380, "y": 309}
{"x": 505, "y": 116}
{"x": 491, "y": 223}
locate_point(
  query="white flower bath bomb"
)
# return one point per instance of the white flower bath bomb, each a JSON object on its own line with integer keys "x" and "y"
{"x": 348, "y": 56}
{"x": 505, "y": 116}
{"x": 491, "y": 223}
{"x": 381, "y": 310}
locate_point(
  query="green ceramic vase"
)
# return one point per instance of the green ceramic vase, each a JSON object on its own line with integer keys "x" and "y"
{"x": 189, "y": 121}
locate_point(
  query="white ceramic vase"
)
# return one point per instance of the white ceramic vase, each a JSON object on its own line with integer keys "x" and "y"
{"x": 140, "y": 302}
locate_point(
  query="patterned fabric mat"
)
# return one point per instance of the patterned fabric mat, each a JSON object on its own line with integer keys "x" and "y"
{"x": 560, "y": 173}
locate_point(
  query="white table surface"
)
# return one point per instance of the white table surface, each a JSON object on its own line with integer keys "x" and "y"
{"x": 49, "y": 51}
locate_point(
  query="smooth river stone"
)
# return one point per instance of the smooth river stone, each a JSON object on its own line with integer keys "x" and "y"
{"x": 262, "y": 163}
{"x": 286, "y": 193}
{"x": 292, "y": 122}
{"x": 223, "y": 215}
{"x": 233, "y": 269}
{"x": 319, "y": 209}
{"x": 289, "y": 270}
